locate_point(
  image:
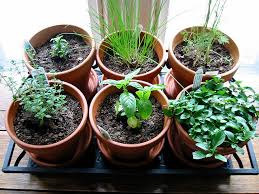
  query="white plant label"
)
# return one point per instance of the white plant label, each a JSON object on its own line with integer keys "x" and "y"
{"x": 40, "y": 71}
{"x": 104, "y": 133}
{"x": 28, "y": 47}
{"x": 197, "y": 78}
{"x": 212, "y": 73}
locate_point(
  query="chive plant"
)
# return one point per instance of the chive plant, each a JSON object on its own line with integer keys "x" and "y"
{"x": 123, "y": 31}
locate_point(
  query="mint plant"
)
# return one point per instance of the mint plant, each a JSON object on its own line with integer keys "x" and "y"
{"x": 136, "y": 107}
{"x": 60, "y": 47}
{"x": 215, "y": 116}
{"x": 201, "y": 41}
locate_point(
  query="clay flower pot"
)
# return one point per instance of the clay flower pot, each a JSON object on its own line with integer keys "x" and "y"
{"x": 187, "y": 144}
{"x": 77, "y": 75}
{"x": 185, "y": 75}
{"x": 60, "y": 151}
{"x": 128, "y": 154}
{"x": 172, "y": 88}
{"x": 148, "y": 76}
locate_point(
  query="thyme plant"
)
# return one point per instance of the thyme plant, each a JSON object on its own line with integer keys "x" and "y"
{"x": 34, "y": 95}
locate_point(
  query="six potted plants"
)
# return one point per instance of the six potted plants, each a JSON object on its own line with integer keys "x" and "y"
{"x": 130, "y": 116}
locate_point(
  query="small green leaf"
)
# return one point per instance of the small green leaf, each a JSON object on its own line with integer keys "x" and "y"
{"x": 157, "y": 87}
{"x": 230, "y": 135}
{"x": 218, "y": 139}
{"x": 197, "y": 155}
{"x": 136, "y": 85}
{"x": 168, "y": 112}
{"x": 128, "y": 102}
{"x": 221, "y": 157}
{"x": 133, "y": 122}
{"x": 203, "y": 145}
{"x": 144, "y": 108}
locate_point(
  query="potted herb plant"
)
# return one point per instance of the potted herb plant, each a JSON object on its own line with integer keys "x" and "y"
{"x": 67, "y": 53}
{"x": 126, "y": 46}
{"x": 214, "y": 120}
{"x": 48, "y": 120}
{"x": 204, "y": 47}
{"x": 128, "y": 120}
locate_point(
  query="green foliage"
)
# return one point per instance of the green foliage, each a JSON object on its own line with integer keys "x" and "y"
{"x": 201, "y": 41}
{"x": 123, "y": 31}
{"x": 217, "y": 116}
{"x": 42, "y": 100}
{"x": 136, "y": 107}
{"x": 34, "y": 95}
{"x": 60, "y": 47}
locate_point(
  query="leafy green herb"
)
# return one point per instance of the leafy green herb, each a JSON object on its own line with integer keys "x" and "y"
{"x": 34, "y": 95}
{"x": 60, "y": 47}
{"x": 136, "y": 107}
{"x": 217, "y": 116}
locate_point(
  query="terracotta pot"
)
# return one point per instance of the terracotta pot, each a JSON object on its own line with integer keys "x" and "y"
{"x": 172, "y": 88}
{"x": 57, "y": 152}
{"x": 185, "y": 75}
{"x": 148, "y": 76}
{"x": 77, "y": 75}
{"x": 91, "y": 85}
{"x": 179, "y": 150}
{"x": 188, "y": 144}
{"x": 130, "y": 153}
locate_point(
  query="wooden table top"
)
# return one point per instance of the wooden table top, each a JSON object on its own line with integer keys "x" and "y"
{"x": 29, "y": 183}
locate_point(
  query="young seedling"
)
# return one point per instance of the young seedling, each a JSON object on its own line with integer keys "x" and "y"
{"x": 215, "y": 116}
{"x": 60, "y": 47}
{"x": 136, "y": 107}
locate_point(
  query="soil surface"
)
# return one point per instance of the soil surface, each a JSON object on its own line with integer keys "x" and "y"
{"x": 114, "y": 63}
{"x": 55, "y": 129}
{"x": 221, "y": 59}
{"x": 78, "y": 51}
{"x": 118, "y": 128}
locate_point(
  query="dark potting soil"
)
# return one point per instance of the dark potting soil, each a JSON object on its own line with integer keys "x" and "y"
{"x": 221, "y": 59}
{"x": 118, "y": 128}
{"x": 114, "y": 63}
{"x": 55, "y": 129}
{"x": 78, "y": 51}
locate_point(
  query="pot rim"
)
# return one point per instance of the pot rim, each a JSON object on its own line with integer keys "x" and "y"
{"x": 166, "y": 126}
{"x": 82, "y": 123}
{"x": 160, "y": 64}
{"x": 92, "y": 52}
{"x": 171, "y": 52}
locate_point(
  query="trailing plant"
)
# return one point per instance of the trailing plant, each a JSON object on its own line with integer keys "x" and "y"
{"x": 136, "y": 107}
{"x": 215, "y": 116}
{"x": 201, "y": 41}
{"x": 35, "y": 96}
{"x": 60, "y": 47}
{"x": 123, "y": 31}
